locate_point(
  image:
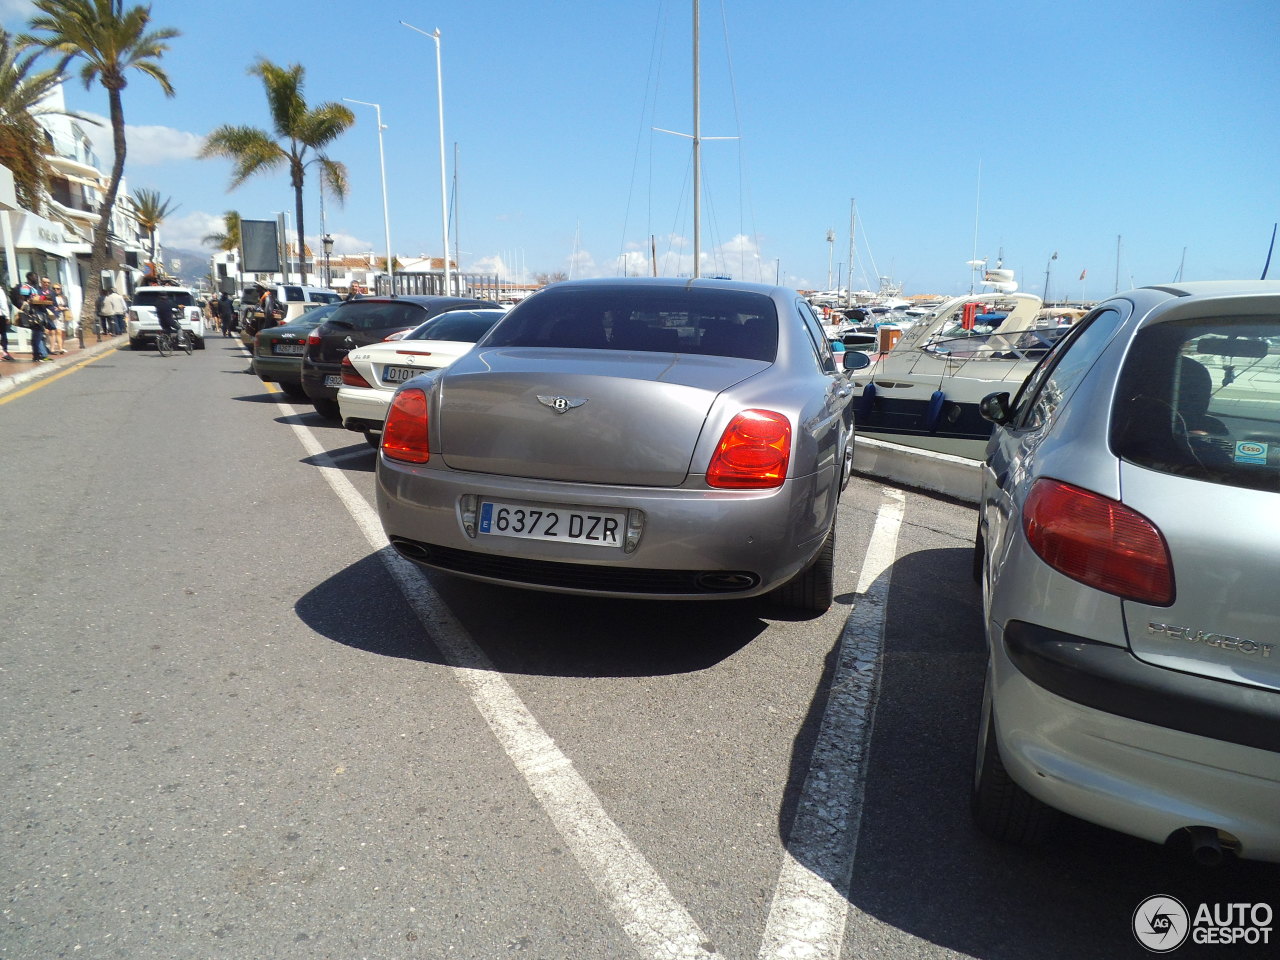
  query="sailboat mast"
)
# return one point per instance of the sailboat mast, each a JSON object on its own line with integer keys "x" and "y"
{"x": 697, "y": 149}
{"x": 1117, "y": 289}
{"x": 848, "y": 289}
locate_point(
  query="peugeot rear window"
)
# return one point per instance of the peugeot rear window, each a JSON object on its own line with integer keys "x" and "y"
{"x": 1201, "y": 398}
{"x": 177, "y": 298}
{"x": 722, "y": 323}
{"x": 377, "y": 315}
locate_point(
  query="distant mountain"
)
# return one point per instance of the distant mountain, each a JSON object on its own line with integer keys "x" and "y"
{"x": 194, "y": 263}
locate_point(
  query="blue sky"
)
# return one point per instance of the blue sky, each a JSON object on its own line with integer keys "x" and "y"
{"x": 1154, "y": 122}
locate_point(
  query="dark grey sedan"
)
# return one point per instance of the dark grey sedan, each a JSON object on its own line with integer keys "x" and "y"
{"x": 661, "y": 438}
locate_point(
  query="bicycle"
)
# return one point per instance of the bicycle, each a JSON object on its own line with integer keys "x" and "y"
{"x": 167, "y": 342}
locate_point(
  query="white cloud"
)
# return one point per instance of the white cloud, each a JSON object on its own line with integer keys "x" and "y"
{"x": 739, "y": 257}
{"x": 188, "y": 231}
{"x": 342, "y": 243}
{"x": 147, "y": 146}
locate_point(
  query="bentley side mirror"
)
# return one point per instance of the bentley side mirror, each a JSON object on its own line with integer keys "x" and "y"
{"x": 995, "y": 407}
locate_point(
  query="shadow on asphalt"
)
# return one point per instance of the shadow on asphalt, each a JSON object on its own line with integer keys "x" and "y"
{"x": 922, "y": 867}
{"x": 527, "y": 632}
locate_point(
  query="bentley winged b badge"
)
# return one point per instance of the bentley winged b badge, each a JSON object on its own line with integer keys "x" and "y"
{"x": 561, "y": 404}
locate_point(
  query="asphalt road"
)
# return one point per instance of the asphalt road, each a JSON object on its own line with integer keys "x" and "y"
{"x": 233, "y": 724}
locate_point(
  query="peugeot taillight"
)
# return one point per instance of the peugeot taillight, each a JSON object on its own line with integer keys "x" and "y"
{"x": 404, "y": 435}
{"x": 1098, "y": 541}
{"x": 351, "y": 376}
{"x": 753, "y": 452}
{"x": 313, "y": 339}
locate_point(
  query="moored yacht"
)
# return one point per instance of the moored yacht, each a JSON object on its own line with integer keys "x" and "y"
{"x": 924, "y": 392}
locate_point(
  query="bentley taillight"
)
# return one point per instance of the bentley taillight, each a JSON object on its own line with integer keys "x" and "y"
{"x": 1098, "y": 541}
{"x": 404, "y": 435}
{"x": 753, "y": 452}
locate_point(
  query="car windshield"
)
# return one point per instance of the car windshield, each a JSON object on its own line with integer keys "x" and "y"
{"x": 1201, "y": 398}
{"x": 177, "y": 298}
{"x": 377, "y": 315}
{"x": 464, "y": 326}
{"x": 708, "y": 321}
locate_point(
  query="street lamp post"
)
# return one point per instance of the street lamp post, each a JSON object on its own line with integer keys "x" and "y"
{"x": 328, "y": 249}
{"x": 1049, "y": 264}
{"x": 382, "y": 164}
{"x": 444, "y": 195}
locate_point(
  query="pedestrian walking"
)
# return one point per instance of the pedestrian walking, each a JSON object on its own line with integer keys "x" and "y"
{"x": 226, "y": 314}
{"x": 104, "y": 324}
{"x": 112, "y": 310}
{"x": 7, "y": 312}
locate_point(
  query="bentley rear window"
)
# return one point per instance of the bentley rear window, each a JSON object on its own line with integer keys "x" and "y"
{"x": 1201, "y": 398}
{"x": 723, "y": 323}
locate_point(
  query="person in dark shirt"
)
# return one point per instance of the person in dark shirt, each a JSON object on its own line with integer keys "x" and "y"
{"x": 164, "y": 315}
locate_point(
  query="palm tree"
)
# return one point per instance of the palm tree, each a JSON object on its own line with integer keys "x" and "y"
{"x": 23, "y": 146}
{"x": 229, "y": 238}
{"x": 150, "y": 210}
{"x": 110, "y": 41}
{"x": 298, "y": 131}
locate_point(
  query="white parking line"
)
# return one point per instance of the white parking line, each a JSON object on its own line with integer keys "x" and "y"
{"x": 657, "y": 925}
{"x": 811, "y": 902}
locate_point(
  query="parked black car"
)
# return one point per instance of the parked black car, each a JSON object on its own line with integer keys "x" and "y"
{"x": 357, "y": 323}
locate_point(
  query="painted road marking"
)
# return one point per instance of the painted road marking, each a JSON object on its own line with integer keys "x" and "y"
{"x": 658, "y": 926}
{"x": 811, "y": 902}
{"x": 17, "y": 392}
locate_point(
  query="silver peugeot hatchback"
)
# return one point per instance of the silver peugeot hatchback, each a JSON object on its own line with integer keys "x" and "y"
{"x": 646, "y": 438}
{"x": 1129, "y": 553}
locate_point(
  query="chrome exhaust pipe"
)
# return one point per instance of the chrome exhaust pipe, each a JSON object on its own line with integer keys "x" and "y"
{"x": 1206, "y": 850}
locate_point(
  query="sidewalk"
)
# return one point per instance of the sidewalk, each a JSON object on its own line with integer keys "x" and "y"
{"x": 25, "y": 370}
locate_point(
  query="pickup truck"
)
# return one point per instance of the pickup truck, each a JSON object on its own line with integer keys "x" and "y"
{"x": 142, "y": 325}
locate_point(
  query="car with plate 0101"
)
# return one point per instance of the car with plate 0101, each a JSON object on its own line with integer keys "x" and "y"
{"x": 277, "y": 351}
{"x": 644, "y": 438}
{"x": 358, "y": 323}
{"x": 370, "y": 375}
{"x": 1127, "y": 552}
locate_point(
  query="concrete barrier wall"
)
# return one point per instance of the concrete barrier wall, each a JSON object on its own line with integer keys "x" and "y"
{"x": 922, "y": 469}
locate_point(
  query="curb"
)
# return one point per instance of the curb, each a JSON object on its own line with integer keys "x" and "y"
{"x": 61, "y": 362}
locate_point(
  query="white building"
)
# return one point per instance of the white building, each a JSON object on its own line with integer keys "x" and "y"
{"x": 58, "y": 242}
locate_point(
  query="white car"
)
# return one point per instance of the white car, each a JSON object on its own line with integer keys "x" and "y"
{"x": 372, "y": 374}
{"x": 142, "y": 325}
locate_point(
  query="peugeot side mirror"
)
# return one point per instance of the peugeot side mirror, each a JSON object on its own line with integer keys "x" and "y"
{"x": 995, "y": 407}
{"x": 855, "y": 360}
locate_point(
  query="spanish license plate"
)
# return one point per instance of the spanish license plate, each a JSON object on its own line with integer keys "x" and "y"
{"x": 597, "y": 528}
{"x": 333, "y": 380}
{"x": 398, "y": 374}
{"x": 288, "y": 349}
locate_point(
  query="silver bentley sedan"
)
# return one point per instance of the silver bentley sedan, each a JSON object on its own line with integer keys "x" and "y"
{"x": 645, "y": 438}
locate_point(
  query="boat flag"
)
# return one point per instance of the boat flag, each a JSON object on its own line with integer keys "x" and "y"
{"x": 1082, "y": 273}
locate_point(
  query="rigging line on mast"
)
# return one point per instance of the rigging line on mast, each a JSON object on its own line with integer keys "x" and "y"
{"x": 743, "y": 182}
{"x": 647, "y": 107}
